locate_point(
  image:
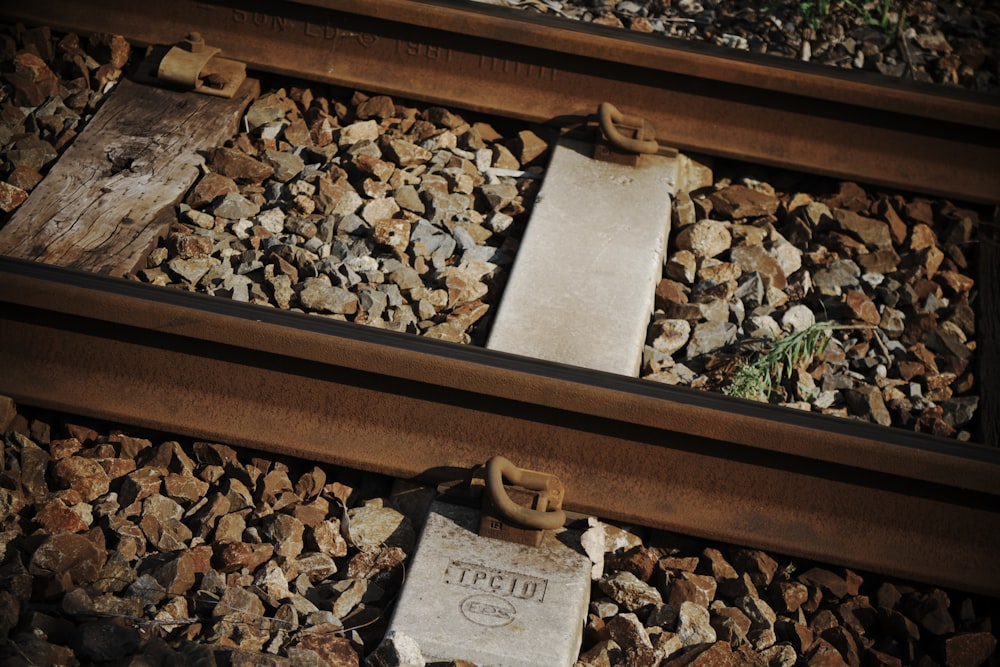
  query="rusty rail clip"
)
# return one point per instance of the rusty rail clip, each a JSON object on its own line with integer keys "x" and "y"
{"x": 193, "y": 65}
{"x": 521, "y": 513}
{"x": 614, "y": 146}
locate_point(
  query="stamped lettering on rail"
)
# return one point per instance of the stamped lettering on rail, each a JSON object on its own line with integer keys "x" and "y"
{"x": 517, "y": 68}
{"x": 425, "y": 51}
{"x": 495, "y": 581}
{"x": 323, "y": 31}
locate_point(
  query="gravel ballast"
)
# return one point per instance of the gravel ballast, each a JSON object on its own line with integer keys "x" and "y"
{"x": 952, "y": 44}
{"x": 129, "y": 548}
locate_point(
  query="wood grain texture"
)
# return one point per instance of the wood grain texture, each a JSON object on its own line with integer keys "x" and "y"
{"x": 112, "y": 193}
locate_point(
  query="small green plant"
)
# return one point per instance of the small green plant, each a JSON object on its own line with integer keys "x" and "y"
{"x": 889, "y": 15}
{"x": 754, "y": 379}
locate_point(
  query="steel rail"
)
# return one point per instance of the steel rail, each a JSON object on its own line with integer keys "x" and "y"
{"x": 863, "y": 496}
{"x": 700, "y": 98}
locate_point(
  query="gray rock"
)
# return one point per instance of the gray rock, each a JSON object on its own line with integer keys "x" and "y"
{"x": 866, "y": 402}
{"x": 836, "y": 276}
{"x": 694, "y": 625}
{"x": 798, "y": 318}
{"x": 320, "y": 296}
{"x": 709, "y": 336}
{"x": 873, "y": 233}
{"x": 284, "y": 532}
{"x": 629, "y": 591}
{"x": 235, "y": 206}
{"x": 372, "y": 526}
{"x": 286, "y": 165}
{"x": 762, "y": 618}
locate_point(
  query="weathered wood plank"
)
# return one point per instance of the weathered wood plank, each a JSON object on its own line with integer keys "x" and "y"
{"x": 111, "y": 195}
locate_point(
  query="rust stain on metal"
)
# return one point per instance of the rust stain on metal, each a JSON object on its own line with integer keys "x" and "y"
{"x": 790, "y": 115}
{"x": 625, "y": 449}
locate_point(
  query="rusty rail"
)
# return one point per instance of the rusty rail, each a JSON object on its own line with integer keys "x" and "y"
{"x": 864, "y": 496}
{"x": 700, "y": 98}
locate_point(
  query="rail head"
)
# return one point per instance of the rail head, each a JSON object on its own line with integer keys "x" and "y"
{"x": 397, "y": 404}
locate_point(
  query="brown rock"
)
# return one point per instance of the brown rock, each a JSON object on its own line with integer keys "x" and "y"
{"x": 968, "y": 649}
{"x": 117, "y": 467}
{"x": 55, "y": 517}
{"x": 919, "y": 211}
{"x": 788, "y": 596}
{"x": 922, "y": 237}
{"x": 379, "y": 107}
{"x": 930, "y": 611}
{"x": 757, "y": 564}
{"x": 843, "y": 640}
{"x": 719, "y": 654}
{"x": 25, "y": 178}
{"x": 184, "y": 487}
{"x": 738, "y": 201}
{"x": 958, "y": 283}
{"x": 850, "y": 196}
{"x": 67, "y": 560}
{"x": 139, "y": 485}
{"x": 636, "y": 560}
{"x": 931, "y": 258}
{"x": 720, "y": 567}
{"x": 627, "y": 631}
{"x": 239, "y": 166}
{"x": 375, "y": 564}
{"x": 688, "y": 587}
{"x": 210, "y": 187}
{"x": 669, "y": 292}
{"x": 796, "y": 634}
{"x": 176, "y": 572}
{"x": 681, "y": 266}
{"x": 873, "y": 233}
{"x": 333, "y": 650}
{"x": 234, "y": 556}
{"x": 187, "y": 246}
{"x": 881, "y": 261}
{"x": 685, "y": 564}
{"x": 64, "y": 448}
{"x": 866, "y": 401}
{"x": 165, "y": 534}
{"x": 11, "y": 196}
{"x": 832, "y": 584}
{"x": 755, "y": 258}
{"x": 862, "y": 307}
{"x": 32, "y": 80}
{"x": 85, "y": 476}
{"x": 528, "y": 146}
{"x": 683, "y": 213}
{"x": 823, "y": 654}
{"x": 730, "y": 624}
{"x": 392, "y": 232}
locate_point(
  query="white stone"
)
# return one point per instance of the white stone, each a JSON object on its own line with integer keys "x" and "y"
{"x": 397, "y": 650}
{"x": 798, "y": 318}
{"x": 705, "y": 238}
{"x": 672, "y": 335}
{"x": 694, "y": 625}
{"x": 355, "y": 132}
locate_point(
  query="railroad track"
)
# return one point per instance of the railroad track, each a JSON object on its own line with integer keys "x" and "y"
{"x": 696, "y": 463}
